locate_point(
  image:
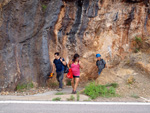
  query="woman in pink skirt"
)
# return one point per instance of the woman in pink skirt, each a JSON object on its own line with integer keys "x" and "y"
{"x": 75, "y": 65}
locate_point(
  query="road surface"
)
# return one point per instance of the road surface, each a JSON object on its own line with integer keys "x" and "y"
{"x": 72, "y": 107}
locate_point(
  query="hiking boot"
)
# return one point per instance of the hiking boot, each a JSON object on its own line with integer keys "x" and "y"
{"x": 59, "y": 89}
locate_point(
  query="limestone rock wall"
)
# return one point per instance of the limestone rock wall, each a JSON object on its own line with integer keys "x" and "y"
{"x": 32, "y": 30}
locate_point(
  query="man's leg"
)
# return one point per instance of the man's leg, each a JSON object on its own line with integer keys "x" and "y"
{"x": 58, "y": 76}
{"x": 99, "y": 71}
{"x": 61, "y": 79}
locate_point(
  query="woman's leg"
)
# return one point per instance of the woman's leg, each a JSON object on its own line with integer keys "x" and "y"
{"x": 76, "y": 83}
{"x": 72, "y": 83}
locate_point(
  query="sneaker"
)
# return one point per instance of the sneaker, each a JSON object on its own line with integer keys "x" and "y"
{"x": 59, "y": 89}
{"x": 74, "y": 92}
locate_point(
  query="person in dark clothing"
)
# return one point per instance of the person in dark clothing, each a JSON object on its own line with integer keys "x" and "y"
{"x": 100, "y": 63}
{"x": 59, "y": 64}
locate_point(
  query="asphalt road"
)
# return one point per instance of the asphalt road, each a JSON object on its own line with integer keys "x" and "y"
{"x": 72, "y": 107}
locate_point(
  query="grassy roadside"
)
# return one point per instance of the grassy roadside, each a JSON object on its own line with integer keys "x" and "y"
{"x": 93, "y": 90}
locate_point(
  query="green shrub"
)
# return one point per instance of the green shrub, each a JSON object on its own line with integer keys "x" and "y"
{"x": 30, "y": 85}
{"x": 92, "y": 91}
{"x": 68, "y": 83}
{"x": 56, "y": 99}
{"x": 44, "y": 7}
{"x": 59, "y": 93}
{"x": 114, "y": 85}
{"x": 78, "y": 96}
{"x": 138, "y": 39}
{"x": 138, "y": 45}
{"x": 72, "y": 98}
{"x": 95, "y": 91}
{"x": 111, "y": 91}
{"x": 137, "y": 50}
{"x": 54, "y": 84}
{"x": 21, "y": 87}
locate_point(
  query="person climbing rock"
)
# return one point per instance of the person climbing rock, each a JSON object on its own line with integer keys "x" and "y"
{"x": 100, "y": 63}
{"x": 75, "y": 65}
{"x": 59, "y": 63}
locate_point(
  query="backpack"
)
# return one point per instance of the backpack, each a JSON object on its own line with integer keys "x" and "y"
{"x": 103, "y": 63}
{"x": 66, "y": 69}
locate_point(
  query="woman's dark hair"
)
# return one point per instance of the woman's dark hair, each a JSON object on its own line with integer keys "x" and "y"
{"x": 75, "y": 57}
{"x": 57, "y": 53}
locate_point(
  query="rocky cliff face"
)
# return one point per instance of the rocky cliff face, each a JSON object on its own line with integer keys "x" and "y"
{"x": 32, "y": 30}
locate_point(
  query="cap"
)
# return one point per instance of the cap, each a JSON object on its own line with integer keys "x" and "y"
{"x": 98, "y": 55}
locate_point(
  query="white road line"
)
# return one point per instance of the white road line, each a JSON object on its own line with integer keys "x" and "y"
{"x": 74, "y": 103}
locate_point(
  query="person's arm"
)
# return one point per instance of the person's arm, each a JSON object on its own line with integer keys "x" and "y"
{"x": 70, "y": 62}
{"x": 97, "y": 64}
{"x": 105, "y": 63}
{"x": 80, "y": 63}
{"x": 63, "y": 61}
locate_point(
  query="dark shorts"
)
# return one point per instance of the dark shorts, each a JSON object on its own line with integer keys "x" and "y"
{"x": 76, "y": 76}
